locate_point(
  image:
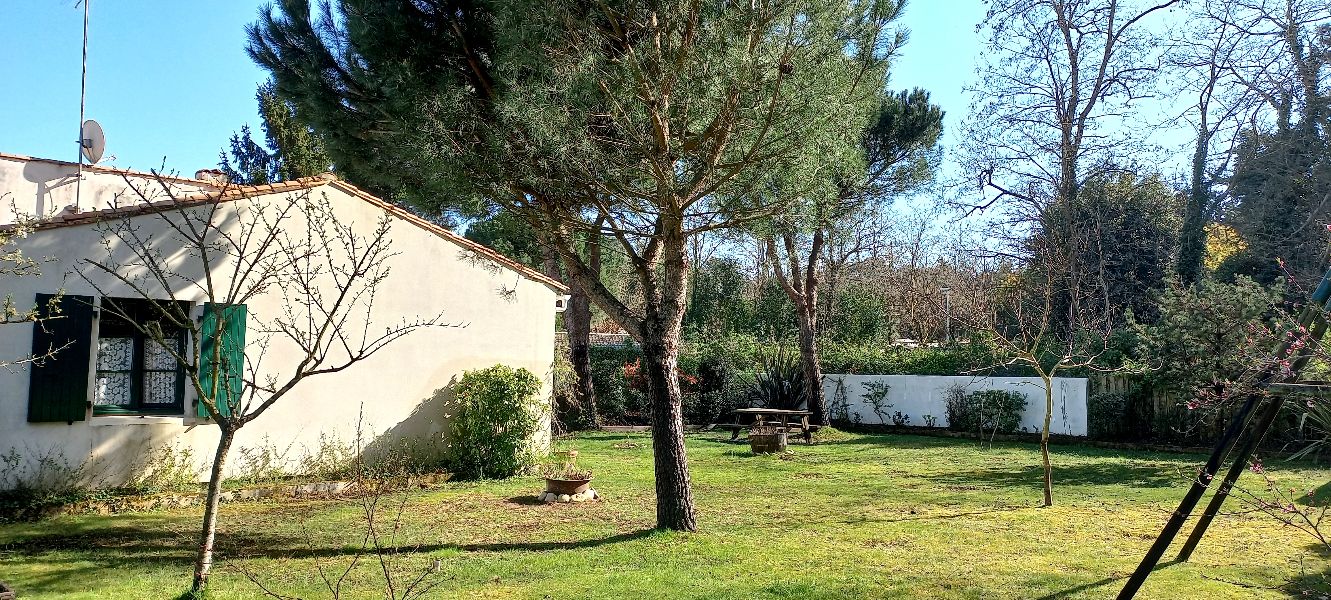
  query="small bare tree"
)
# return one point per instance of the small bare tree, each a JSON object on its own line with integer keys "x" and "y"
{"x": 227, "y": 249}
{"x": 382, "y": 495}
{"x": 1032, "y": 325}
{"x": 14, "y": 264}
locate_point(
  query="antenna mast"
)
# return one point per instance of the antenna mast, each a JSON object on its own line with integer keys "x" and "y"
{"x": 83, "y": 94}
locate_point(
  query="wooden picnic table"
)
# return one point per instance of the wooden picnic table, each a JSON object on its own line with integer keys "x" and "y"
{"x": 748, "y": 418}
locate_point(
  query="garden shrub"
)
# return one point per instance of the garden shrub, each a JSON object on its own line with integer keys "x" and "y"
{"x": 985, "y": 411}
{"x": 838, "y": 404}
{"x": 875, "y": 396}
{"x": 960, "y": 417}
{"x": 497, "y": 416}
{"x": 1108, "y": 416}
{"x": 881, "y": 359}
{"x": 166, "y": 469}
{"x": 262, "y": 463}
{"x": 780, "y": 383}
{"x": 716, "y": 393}
{"x": 35, "y": 479}
{"x": 616, "y": 402}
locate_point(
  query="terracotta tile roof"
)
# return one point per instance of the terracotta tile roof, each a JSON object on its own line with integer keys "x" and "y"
{"x": 236, "y": 192}
{"x": 114, "y": 170}
{"x": 227, "y": 194}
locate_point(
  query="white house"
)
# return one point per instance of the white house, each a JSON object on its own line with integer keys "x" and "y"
{"x": 110, "y": 400}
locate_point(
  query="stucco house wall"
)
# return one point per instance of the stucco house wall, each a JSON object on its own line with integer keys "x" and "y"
{"x": 400, "y": 395}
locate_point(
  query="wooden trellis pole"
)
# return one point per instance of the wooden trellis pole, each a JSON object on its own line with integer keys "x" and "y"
{"x": 1297, "y": 349}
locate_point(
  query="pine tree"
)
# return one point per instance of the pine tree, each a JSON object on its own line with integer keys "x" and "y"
{"x": 896, "y": 149}
{"x": 650, "y": 122}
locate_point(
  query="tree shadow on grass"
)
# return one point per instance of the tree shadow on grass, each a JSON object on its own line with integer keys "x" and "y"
{"x": 898, "y": 441}
{"x": 76, "y": 558}
{"x": 1311, "y": 583}
{"x": 1320, "y": 497}
{"x": 1108, "y": 582}
{"x": 525, "y": 500}
{"x": 74, "y": 562}
{"x": 339, "y": 551}
{"x": 912, "y": 515}
{"x": 1095, "y": 474}
{"x": 1063, "y": 446}
{"x": 164, "y": 544}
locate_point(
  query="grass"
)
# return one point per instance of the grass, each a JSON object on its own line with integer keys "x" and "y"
{"x": 862, "y": 516}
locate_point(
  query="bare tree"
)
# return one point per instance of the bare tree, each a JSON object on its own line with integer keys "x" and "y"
{"x": 227, "y": 249}
{"x": 1057, "y": 88}
{"x": 921, "y": 266}
{"x": 14, "y": 264}
{"x": 382, "y": 493}
{"x": 1056, "y": 91}
{"x": 1030, "y": 327}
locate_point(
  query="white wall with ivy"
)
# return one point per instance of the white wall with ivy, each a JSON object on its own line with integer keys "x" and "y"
{"x": 921, "y": 400}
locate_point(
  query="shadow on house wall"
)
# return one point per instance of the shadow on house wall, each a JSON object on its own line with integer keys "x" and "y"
{"x": 421, "y": 440}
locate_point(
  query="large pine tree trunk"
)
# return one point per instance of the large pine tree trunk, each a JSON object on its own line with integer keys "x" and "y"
{"x": 203, "y": 562}
{"x": 813, "y": 369}
{"x": 662, "y": 326}
{"x": 578, "y": 323}
{"x": 674, "y": 494}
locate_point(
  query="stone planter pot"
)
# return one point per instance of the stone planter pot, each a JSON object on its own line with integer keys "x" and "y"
{"x": 767, "y": 443}
{"x": 567, "y": 486}
{"x": 6, "y": 592}
{"x": 568, "y": 490}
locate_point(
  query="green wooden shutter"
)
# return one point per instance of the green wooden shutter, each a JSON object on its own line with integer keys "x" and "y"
{"x": 229, "y": 371}
{"x": 58, "y": 387}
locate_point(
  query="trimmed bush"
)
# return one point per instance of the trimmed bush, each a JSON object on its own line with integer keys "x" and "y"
{"x": 498, "y": 415}
{"x": 1108, "y": 416}
{"x": 986, "y": 411}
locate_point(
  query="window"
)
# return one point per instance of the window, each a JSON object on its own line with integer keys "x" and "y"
{"x": 137, "y": 373}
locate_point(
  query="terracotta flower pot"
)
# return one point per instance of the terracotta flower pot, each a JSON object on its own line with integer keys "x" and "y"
{"x": 567, "y": 486}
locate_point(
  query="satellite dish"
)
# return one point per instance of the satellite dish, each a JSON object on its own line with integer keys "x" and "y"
{"x": 92, "y": 142}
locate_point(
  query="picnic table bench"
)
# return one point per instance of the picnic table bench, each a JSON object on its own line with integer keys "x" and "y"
{"x": 790, "y": 420}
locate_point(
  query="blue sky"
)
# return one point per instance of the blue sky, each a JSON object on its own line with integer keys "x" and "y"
{"x": 170, "y": 81}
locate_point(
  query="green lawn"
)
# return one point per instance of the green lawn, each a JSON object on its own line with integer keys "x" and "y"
{"x": 875, "y": 516}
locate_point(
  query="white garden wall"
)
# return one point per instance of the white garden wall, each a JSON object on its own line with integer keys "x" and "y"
{"x": 921, "y": 395}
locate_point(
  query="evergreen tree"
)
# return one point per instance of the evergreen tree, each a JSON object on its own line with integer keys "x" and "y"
{"x": 1127, "y": 235}
{"x": 1282, "y": 187}
{"x": 293, "y": 151}
{"x": 249, "y": 163}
